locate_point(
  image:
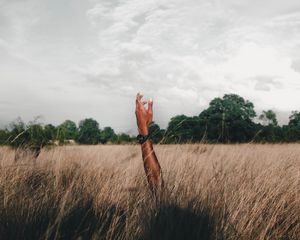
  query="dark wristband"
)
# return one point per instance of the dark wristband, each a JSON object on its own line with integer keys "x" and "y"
{"x": 142, "y": 138}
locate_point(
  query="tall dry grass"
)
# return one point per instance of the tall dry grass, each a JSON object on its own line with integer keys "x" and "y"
{"x": 100, "y": 192}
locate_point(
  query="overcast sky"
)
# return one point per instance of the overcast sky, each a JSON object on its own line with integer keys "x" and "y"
{"x": 66, "y": 59}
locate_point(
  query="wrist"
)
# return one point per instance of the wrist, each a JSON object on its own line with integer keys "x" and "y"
{"x": 144, "y": 131}
{"x": 142, "y": 138}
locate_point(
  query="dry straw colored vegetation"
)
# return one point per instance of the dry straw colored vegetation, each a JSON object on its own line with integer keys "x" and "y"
{"x": 100, "y": 192}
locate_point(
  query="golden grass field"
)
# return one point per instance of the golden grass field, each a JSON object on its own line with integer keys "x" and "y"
{"x": 100, "y": 192}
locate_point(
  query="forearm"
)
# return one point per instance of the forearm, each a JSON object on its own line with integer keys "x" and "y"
{"x": 152, "y": 167}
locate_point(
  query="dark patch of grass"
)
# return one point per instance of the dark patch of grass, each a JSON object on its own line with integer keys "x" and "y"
{"x": 169, "y": 221}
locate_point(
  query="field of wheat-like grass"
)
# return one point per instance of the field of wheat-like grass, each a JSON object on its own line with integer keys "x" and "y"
{"x": 100, "y": 192}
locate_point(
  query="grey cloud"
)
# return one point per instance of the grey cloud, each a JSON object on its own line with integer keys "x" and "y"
{"x": 265, "y": 83}
{"x": 4, "y": 104}
{"x": 264, "y": 9}
{"x": 296, "y": 65}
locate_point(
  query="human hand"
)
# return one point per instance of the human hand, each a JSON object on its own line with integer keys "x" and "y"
{"x": 143, "y": 116}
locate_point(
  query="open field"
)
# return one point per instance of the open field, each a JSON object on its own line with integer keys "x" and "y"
{"x": 100, "y": 192}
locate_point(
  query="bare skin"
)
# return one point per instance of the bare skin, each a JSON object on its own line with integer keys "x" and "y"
{"x": 151, "y": 165}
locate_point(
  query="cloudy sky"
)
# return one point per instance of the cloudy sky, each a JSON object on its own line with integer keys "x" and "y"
{"x": 66, "y": 59}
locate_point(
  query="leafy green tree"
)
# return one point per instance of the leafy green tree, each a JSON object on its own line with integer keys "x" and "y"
{"x": 199, "y": 129}
{"x": 115, "y": 139}
{"x": 89, "y": 132}
{"x": 30, "y": 135}
{"x": 50, "y": 132}
{"x": 36, "y": 136}
{"x": 269, "y": 118}
{"x": 107, "y": 135}
{"x": 268, "y": 131}
{"x": 18, "y": 134}
{"x": 60, "y": 135}
{"x": 68, "y": 130}
{"x": 285, "y": 132}
{"x": 124, "y": 138}
{"x": 229, "y": 119}
{"x": 4, "y": 135}
{"x": 180, "y": 129}
{"x": 294, "y": 119}
{"x": 293, "y": 130}
{"x": 156, "y": 134}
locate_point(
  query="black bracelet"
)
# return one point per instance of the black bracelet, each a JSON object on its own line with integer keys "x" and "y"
{"x": 142, "y": 138}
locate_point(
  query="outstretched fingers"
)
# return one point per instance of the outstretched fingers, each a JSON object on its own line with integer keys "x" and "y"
{"x": 150, "y": 110}
{"x": 150, "y": 106}
{"x": 140, "y": 104}
{"x": 139, "y": 97}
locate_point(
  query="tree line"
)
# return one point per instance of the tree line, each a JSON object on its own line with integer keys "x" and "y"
{"x": 33, "y": 134}
{"x": 230, "y": 119}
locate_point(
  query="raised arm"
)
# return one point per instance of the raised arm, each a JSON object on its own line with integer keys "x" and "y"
{"x": 151, "y": 165}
